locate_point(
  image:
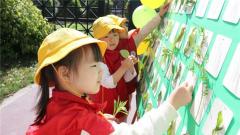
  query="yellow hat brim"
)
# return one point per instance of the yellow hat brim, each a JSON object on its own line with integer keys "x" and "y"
{"x": 65, "y": 51}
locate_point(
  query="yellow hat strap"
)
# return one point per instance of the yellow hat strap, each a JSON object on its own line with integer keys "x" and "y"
{"x": 54, "y": 68}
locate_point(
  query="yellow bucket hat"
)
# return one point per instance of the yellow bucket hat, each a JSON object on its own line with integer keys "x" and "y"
{"x": 59, "y": 44}
{"x": 117, "y": 20}
{"x": 103, "y": 25}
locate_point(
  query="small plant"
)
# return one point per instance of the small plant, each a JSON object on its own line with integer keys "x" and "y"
{"x": 169, "y": 28}
{"x": 190, "y": 43}
{"x": 145, "y": 97}
{"x": 177, "y": 75}
{"x": 171, "y": 69}
{"x": 171, "y": 128}
{"x": 199, "y": 48}
{"x": 191, "y": 2}
{"x": 167, "y": 55}
{"x": 148, "y": 107}
{"x": 219, "y": 124}
{"x": 154, "y": 85}
{"x": 205, "y": 87}
{"x": 179, "y": 37}
{"x": 119, "y": 107}
{"x": 189, "y": 5}
{"x": 160, "y": 97}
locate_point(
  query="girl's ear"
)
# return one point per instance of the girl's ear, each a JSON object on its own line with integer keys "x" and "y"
{"x": 63, "y": 73}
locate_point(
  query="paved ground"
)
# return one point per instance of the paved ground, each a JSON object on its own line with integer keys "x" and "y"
{"x": 16, "y": 112}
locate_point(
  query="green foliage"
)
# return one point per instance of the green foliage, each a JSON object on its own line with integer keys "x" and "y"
{"x": 119, "y": 107}
{"x": 22, "y": 30}
{"x": 15, "y": 78}
{"x": 219, "y": 124}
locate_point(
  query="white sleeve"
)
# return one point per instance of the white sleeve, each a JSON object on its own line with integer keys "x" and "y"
{"x": 154, "y": 122}
{"x": 107, "y": 79}
{"x": 128, "y": 76}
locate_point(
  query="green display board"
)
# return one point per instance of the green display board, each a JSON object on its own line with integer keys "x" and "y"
{"x": 202, "y": 47}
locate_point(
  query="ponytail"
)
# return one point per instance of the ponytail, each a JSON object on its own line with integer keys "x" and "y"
{"x": 45, "y": 77}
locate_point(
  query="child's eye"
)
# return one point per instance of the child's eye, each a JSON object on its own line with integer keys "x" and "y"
{"x": 93, "y": 66}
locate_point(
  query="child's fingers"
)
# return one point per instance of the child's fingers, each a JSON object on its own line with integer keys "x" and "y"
{"x": 188, "y": 86}
{"x": 133, "y": 58}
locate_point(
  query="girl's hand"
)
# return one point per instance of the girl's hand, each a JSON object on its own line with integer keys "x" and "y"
{"x": 128, "y": 63}
{"x": 111, "y": 118}
{"x": 181, "y": 96}
{"x": 133, "y": 58}
{"x": 164, "y": 9}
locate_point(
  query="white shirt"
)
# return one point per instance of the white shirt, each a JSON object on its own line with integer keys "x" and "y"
{"x": 107, "y": 79}
{"x": 154, "y": 122}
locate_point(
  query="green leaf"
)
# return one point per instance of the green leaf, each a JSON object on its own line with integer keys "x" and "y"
{"x": 170, "y": 130}
{"x": 124, "y": 53}
{"x": 219, "y": 123}
{"x": 119, "y": 107}
{"x": 219, "y": 120}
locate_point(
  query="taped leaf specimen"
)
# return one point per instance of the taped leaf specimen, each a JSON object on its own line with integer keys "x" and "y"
{"x": 171, "y": 129}
{"x": 189, "y": 5}
{"x": 168, "y": 29}
{"x": 148, "y": 107}
{"x": 176, "y": 74}
{"x": 190, "y": 42}
{"x": 219, "y": 124}
{"x": 179, "y": 37}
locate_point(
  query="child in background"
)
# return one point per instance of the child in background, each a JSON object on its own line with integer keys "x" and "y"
{"x": 68, "y": 60}
{"x": 108, "y": 29}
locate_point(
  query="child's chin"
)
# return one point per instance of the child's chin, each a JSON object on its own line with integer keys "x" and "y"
{"x": 96, "y": 91}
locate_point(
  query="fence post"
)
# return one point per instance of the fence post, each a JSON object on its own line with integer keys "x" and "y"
{"x": 101, "y": 8}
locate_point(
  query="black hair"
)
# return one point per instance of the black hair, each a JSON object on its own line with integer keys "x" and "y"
{"x": 47, "y": 76}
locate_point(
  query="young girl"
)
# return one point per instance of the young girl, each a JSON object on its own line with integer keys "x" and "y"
{"x": 68, "y": 61}
{"x": 108, "y": 29}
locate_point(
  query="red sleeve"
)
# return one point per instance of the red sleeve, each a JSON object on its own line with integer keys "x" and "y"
{"x": 133, "y": 32}
{"x": 94, "y": 124}
{"x": 132, "y": 85}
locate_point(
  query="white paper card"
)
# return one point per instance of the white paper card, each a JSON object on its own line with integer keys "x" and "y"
{"x": 200, "y": 103}
{"x": 208, "y": 36}
{"x": 210, "y": 123}
{"x": 215, "y": 9}
{"x": 232, "y": 11}
{"x": 202, "y": 6}
{"x": 177, "y": 123}
{"x": 174, "y": 32}
{"x": 218, "y": 54}
{"x": 184, "y": 131}
{"x": 191, "y": 78}
{"x": 232, "y": 77}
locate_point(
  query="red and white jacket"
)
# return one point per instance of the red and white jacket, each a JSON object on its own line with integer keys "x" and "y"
{"x": 68, "y": 114}
{"x": 112, "y": 59}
